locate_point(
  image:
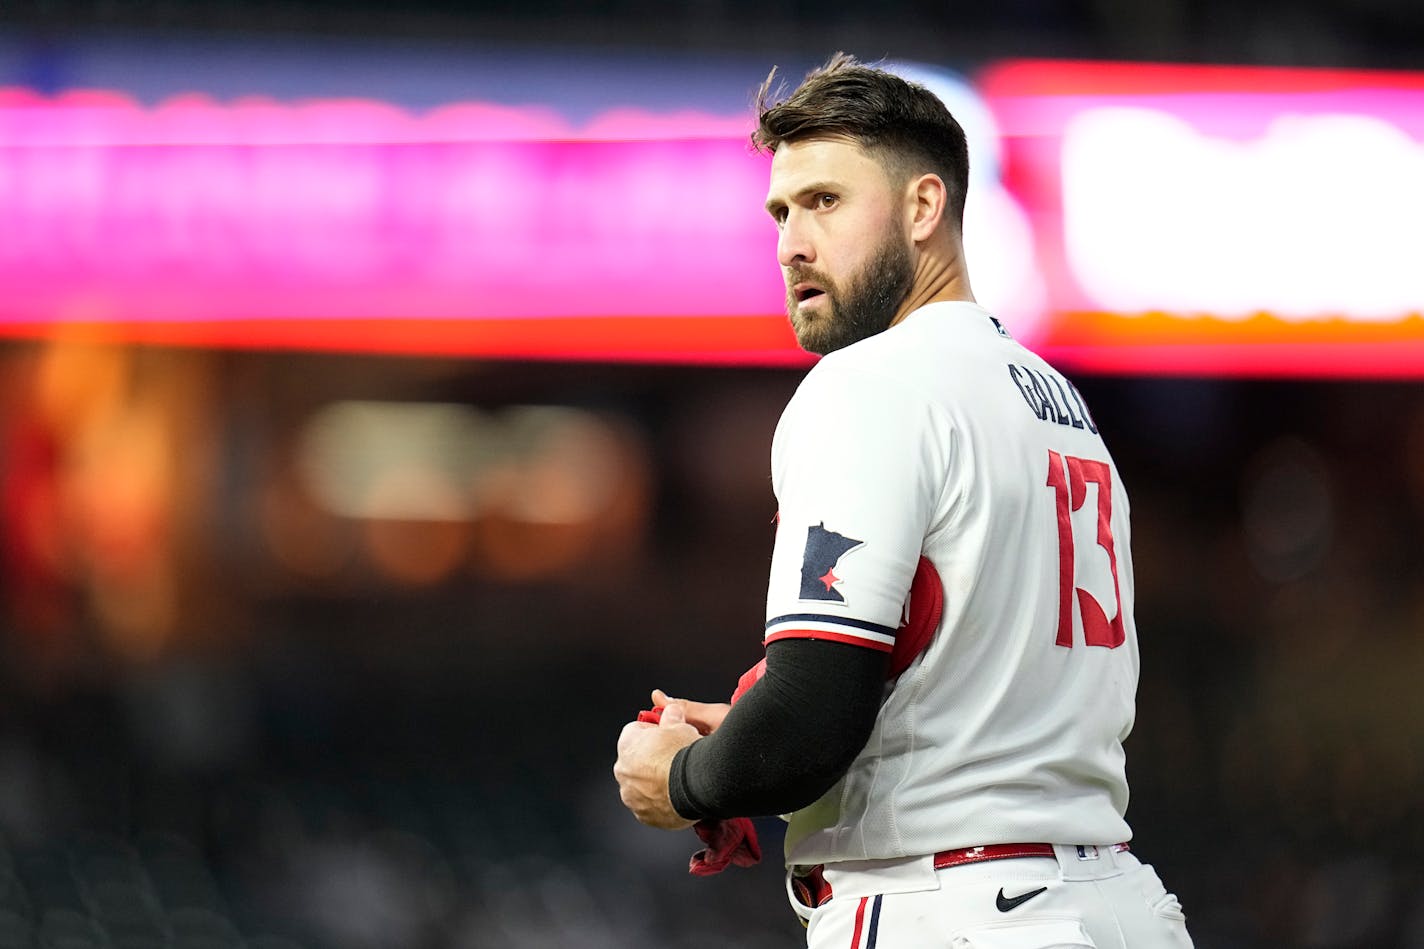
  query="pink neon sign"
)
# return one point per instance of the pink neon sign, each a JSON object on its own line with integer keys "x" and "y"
{"x": 198, "y": 212}
{"x": 496, "y": 231}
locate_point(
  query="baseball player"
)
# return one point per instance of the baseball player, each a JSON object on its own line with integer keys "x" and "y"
{"x": 951, "y": 658}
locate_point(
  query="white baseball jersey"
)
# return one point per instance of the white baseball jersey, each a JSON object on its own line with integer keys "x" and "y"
{"x": 944, "y": 437}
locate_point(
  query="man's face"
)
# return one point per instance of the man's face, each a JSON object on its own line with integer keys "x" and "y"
{"x": 843, "y": 252}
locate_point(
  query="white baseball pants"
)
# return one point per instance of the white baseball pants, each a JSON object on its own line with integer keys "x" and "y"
{"x": 1085, "y": 897}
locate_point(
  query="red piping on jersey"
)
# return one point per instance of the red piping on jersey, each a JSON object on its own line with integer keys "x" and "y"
{"x": 859, "y": 921}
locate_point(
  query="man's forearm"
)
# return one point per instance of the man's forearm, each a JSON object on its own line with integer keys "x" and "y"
{"x": 789, "y": 739}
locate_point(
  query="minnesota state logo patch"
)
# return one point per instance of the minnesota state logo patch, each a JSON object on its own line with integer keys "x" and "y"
{"x": 824, "y": 549}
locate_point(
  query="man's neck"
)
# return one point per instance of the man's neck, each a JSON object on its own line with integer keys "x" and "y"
{"x": 940, "y": 276}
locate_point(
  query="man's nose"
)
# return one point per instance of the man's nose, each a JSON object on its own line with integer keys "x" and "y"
{"x": 793, "y": 246}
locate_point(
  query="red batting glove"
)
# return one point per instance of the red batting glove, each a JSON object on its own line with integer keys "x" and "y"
{"x": 729, "y": 842}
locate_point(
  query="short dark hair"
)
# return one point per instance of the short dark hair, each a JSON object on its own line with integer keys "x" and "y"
{"x": 905, "y": 124}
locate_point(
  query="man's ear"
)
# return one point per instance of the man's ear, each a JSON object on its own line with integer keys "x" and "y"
{"x": 927, "y": 198}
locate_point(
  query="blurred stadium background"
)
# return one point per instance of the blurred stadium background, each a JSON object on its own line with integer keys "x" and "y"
{"x": 323, "y": 596}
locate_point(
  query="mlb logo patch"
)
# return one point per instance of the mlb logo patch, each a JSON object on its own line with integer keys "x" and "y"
{"x": 824, "y": 549}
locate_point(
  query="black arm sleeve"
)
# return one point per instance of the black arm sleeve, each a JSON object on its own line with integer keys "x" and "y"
{"x": 789, "y": 738}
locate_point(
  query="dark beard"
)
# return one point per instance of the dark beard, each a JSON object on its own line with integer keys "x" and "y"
{"x": 866, "y": 305}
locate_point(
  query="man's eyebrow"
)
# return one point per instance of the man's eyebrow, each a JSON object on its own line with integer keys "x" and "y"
{"x": 815, "y": 187}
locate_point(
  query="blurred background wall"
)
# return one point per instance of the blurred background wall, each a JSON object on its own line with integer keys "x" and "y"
{"x": 312, "y": 648}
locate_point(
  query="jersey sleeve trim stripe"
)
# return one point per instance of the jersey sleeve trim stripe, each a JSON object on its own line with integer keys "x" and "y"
{"x": 826, "y": 619}
{"x": 854, "y": 639}
{"x": 838, "y": 628}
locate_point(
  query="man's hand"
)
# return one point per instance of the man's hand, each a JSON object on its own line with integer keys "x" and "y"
{"x": 645, "y": 754}
{"x": 704, "y": 716}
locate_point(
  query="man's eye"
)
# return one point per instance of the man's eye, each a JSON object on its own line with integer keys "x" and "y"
{"x": 824, "y": 201}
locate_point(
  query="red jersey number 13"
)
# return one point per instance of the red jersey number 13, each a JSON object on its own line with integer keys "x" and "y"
{"x": 1069, "y": 478}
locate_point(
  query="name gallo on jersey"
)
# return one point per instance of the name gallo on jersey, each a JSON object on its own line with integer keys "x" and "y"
{"x": 1051, "y": 397}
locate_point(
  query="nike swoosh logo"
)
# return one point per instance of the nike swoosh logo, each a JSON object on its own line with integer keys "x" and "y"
{"x": 1006, "y": 904}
